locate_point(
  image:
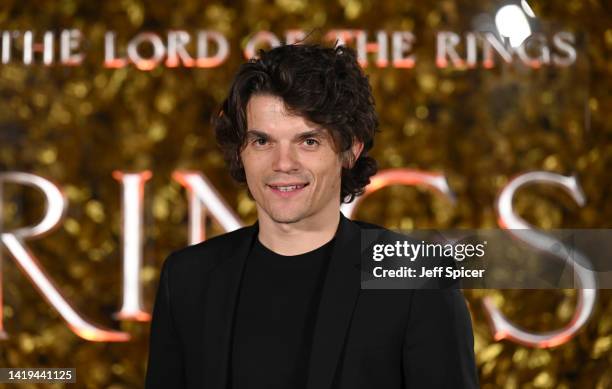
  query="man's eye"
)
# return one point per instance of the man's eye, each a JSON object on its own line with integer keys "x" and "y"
{"x": 311, "y": 142}
{"x": 260, "y": 141}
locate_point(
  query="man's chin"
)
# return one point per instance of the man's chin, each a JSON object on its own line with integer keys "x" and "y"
{"x": 286, "y": 218}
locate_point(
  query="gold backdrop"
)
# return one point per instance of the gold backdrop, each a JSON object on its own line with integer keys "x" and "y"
{"x": 76, "y": 125}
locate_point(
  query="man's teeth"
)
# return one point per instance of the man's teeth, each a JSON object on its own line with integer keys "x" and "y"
{"x": 289, "y": 188}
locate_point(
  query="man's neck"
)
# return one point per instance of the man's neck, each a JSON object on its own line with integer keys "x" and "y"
{"x": 297, "y": 238}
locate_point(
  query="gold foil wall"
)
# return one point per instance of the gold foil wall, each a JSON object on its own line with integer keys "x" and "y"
{"x": 76, "y": 125}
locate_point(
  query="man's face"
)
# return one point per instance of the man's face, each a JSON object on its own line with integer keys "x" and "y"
{"x": 291, "y": 166}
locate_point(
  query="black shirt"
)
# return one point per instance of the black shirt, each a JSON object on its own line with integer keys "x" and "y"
{"x": 275, "y": 317}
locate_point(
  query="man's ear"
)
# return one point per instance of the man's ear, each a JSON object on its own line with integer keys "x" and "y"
{"x": 351, "y": 155}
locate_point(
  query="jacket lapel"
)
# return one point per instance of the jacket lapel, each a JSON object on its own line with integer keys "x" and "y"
{"x": 339, "y": 295}
{"x": 220, "y": 303}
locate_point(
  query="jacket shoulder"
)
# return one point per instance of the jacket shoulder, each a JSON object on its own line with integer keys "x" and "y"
{"x": 368, "y": 226}
{"x": 209, "y": 253}
{"x": 377, "y": 232}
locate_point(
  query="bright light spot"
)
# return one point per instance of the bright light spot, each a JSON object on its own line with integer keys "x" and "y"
{"x": 527, "y": 9}
{"x": 512, "y": 23}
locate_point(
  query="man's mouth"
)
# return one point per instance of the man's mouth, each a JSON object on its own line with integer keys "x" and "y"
{"x": 287, "y": 188}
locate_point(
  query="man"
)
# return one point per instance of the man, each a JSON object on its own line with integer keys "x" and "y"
{"x": 278, "y": 304}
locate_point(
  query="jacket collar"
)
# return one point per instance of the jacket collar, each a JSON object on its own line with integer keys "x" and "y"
{"x": 338, "y": 297}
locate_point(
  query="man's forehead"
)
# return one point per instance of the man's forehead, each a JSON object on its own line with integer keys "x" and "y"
{"x": 261, "y": 103}
{"x": 267, "y": 113}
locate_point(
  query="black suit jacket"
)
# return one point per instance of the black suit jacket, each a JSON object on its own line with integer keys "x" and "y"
{"x": 374, "y": 339}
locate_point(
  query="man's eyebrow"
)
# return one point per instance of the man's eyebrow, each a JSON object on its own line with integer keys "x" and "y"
{"x": 317, "y": 132}
{"x": 253, "y": 133}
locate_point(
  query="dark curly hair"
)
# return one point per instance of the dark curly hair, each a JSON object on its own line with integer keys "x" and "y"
{"x": 322, "y": 84}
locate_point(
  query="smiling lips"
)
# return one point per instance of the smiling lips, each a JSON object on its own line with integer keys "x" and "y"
{"x": 286, "y": 190}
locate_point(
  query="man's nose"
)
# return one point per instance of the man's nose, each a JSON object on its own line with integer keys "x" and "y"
{"x": 285, "y": 159}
